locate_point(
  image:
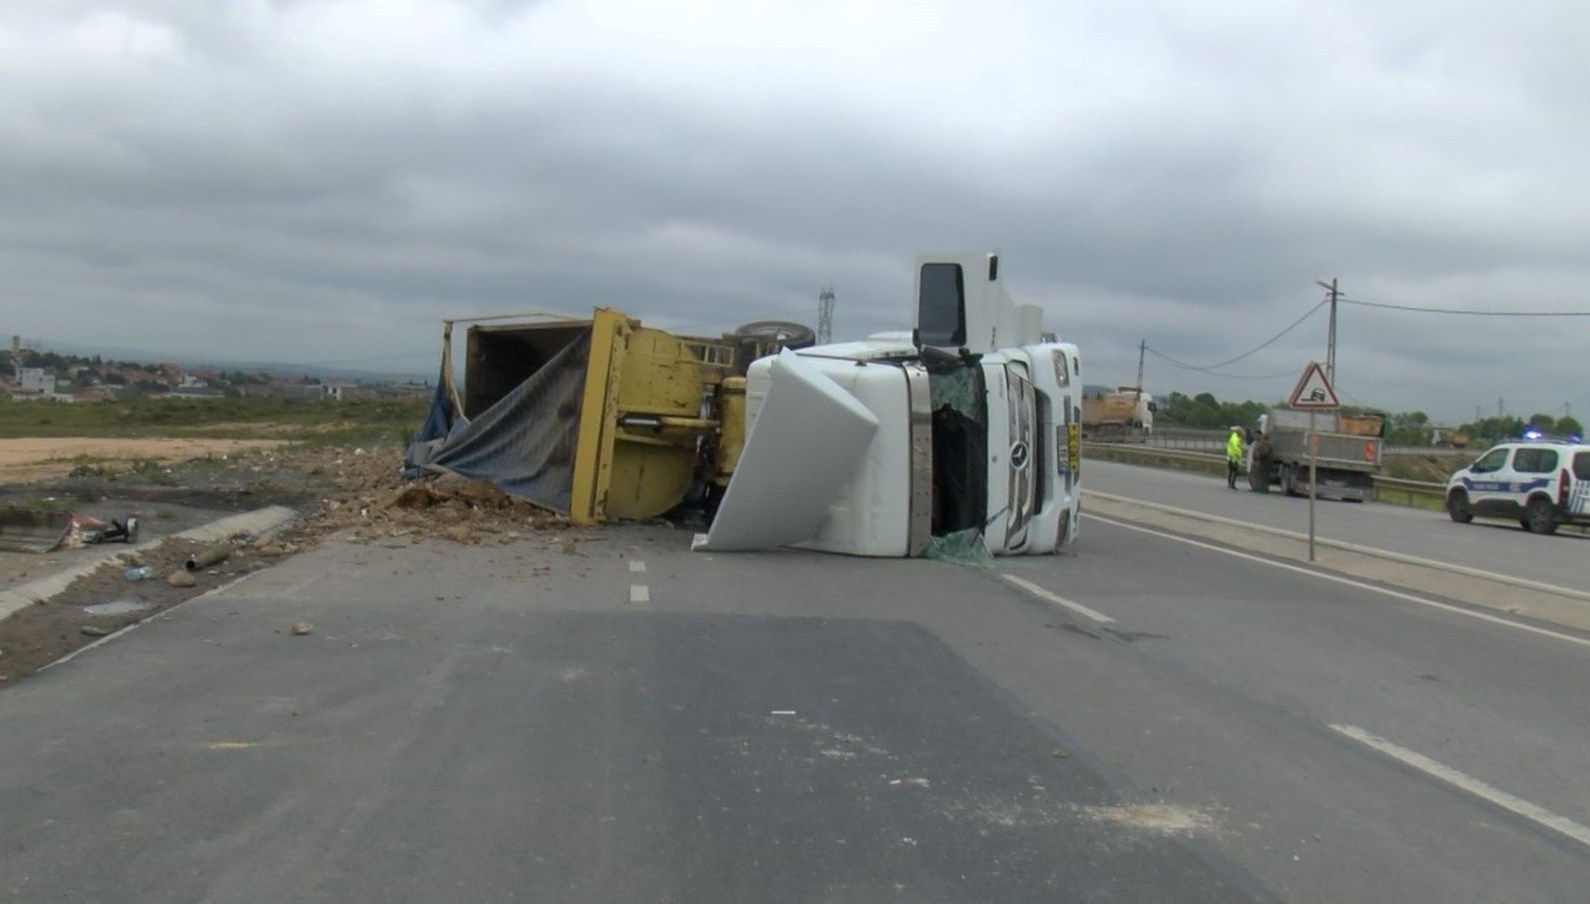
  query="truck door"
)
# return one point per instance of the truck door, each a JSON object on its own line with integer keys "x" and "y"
{"x": 1487, "y": 484}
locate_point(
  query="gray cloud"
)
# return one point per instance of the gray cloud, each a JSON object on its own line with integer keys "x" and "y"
{"x": 319, "y": 181}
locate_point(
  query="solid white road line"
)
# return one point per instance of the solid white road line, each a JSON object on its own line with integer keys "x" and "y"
{"x": 1386, "y": 591}
{"x": 1352, "y": 547}
{"x": 1536, "y": 814}
{"x": 639, "y": 593}
{"x": 1057, "y": 599}
{"x": 637, "y": 566}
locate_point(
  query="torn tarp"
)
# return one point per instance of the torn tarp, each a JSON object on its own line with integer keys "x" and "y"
{"x": 523, "y": 443}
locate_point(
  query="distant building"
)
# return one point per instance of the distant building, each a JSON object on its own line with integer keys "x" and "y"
{"x": 35, "y": 381}
{"x": 194, "y": 392}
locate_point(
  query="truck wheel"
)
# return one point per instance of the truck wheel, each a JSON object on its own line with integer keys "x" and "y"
{"x": 1539, "y": 517}
{"x": 1457, "y": 507}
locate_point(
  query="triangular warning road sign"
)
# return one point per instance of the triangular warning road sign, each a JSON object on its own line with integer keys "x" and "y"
{"x": 1313, "y": 390}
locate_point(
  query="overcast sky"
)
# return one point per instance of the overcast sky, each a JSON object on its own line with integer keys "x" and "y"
{"x": 322, "y": 182}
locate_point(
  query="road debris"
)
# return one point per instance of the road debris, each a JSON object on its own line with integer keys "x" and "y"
{"x": 1165, "y": 819}
{"x": 208, "y": 556}
{"x": 118, "y": 607}
{"x": 48, "y": 530}
{"x": 92, "y": 631}
{"x": 361, "y": 499}
{"x": 299, "y": 629}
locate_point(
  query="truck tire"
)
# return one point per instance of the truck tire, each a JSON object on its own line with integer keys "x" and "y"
{"x": 1539, "y": 518}
{"x": 1457, "y": 507}
{"x": 791, "y": 335}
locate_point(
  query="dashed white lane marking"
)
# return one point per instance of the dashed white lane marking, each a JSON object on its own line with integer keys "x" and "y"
{"x": 1536, "y": 814}
{"x": 1386, "y": 591}
{"x": 639, "y": 593}
{"x": 637, "y": 567}
{"x": 1056, "y": 598}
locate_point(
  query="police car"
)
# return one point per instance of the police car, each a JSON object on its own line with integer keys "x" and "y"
{"x": 1540, "y": 482}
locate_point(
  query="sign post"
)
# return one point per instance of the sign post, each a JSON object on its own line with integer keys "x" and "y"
{"x": 1313, "y": 477}
{"x": 1314, "y": 394}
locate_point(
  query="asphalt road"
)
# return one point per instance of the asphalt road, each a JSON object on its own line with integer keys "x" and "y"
{"x": 647, "y": 724}
{"x": 1497, "y": 546}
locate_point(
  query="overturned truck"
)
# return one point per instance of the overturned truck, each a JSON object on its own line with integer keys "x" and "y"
{"x": 599, "y": 419}
{"x": 968, "y": 426}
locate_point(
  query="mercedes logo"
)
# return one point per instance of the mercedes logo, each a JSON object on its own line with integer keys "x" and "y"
{"x": 1018, "y": 456}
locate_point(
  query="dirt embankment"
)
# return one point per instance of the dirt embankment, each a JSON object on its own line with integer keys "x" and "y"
{"x": 355, "y": 492}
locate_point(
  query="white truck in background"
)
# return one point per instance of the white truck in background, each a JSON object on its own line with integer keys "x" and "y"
{"x": 874, "y": 448}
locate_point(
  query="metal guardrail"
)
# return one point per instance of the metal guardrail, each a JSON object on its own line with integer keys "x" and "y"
{"x": 1419, "y": 493}
{"x": 1212, "y": 440}
{"x": 1387, "y": 489}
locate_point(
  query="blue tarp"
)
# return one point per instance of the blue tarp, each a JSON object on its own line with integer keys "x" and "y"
{"x": 524, "y": 443}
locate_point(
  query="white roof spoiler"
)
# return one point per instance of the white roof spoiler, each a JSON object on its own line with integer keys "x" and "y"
{"x": 805, "y": 443}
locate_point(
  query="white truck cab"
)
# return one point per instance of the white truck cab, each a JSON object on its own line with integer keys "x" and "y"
{"x": 970, "y": 423}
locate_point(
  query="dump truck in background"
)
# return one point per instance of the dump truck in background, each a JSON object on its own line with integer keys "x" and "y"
{"x": 1124, "y": 414}
{"x": 1349, "y": 448}
{"x": 968, "y": 424}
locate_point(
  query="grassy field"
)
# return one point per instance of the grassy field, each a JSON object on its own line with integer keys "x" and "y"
{"x": 305, "y": 420}
{"x": 1434, "y": 466}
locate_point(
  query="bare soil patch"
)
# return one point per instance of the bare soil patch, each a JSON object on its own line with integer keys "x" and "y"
{"x": 29, "y": 459}
{"x": 356, "y": 493}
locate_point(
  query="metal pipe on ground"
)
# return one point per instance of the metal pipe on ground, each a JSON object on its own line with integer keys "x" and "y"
{"x": 210, "y": 555}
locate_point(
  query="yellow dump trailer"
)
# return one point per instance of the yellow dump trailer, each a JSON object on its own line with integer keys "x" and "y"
{"x": 602, "y": 418}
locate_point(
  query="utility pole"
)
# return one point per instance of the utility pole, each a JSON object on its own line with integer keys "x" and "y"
{"x": 1501, "y": 407}
{"x": 825, "y": 316}
{"x": 1330, "y": 344}
{"x": 1142, "y": 349}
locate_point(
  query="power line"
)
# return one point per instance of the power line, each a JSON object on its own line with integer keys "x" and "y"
{"x": 1172, "y": 361}
{"x": 1211, "y": 368}
{"x": 1462, "y": 311}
